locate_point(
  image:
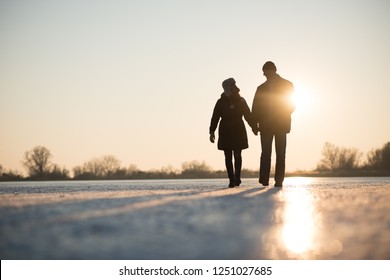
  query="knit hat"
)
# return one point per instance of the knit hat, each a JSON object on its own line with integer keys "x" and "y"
{"x": 227, "y": 83}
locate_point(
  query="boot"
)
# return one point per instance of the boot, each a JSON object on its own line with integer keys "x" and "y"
{"x": 230, "y": 173}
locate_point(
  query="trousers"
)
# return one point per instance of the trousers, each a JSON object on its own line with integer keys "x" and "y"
{"x": 266, "y": 139}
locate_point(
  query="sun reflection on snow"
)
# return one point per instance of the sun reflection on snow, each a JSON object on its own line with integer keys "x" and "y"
{"x": 298, "y": 230}
{"x": 298, "y": 181}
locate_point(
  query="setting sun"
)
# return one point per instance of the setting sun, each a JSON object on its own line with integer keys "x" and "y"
{"x": 301, "y": 97}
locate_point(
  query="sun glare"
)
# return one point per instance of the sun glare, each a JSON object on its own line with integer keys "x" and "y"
{"x": 301, "y": 97}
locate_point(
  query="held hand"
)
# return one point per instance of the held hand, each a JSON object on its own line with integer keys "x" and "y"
{"x": 212, "y": 137}
{"x": 255, "y": 130}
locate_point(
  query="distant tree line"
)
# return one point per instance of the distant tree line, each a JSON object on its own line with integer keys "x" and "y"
{"x": 335, "y": 161}
{"x": 39, "y": 166}
{"x": 348, "y": 161}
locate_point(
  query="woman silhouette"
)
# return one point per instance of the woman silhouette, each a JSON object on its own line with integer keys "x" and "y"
{"x": 232, "y": 133}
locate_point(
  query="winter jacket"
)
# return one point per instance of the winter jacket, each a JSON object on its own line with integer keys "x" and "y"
{"x": 231, "y": 133}
{"x": 272, "y": 106}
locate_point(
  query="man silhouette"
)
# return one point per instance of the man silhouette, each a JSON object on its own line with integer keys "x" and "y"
{"x": 272, "y": 108}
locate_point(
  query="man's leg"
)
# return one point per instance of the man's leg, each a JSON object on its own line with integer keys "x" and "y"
{"x": 229, "y": 166}
{"x": 280, "y": 147}
{"x": 265, "y": 159}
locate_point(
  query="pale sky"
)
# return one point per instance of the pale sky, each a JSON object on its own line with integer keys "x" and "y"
{"x": 139, "y": 79}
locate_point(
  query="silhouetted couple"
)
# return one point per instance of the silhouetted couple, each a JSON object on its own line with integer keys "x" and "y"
{"x": 271, "y": 116}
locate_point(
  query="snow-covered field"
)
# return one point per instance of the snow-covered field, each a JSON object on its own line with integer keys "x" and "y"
{"x": 309, "y": 218}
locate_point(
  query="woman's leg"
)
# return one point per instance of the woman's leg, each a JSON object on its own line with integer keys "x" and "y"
{"x": 229, "y": 166}
{"x": 237, "y": 167}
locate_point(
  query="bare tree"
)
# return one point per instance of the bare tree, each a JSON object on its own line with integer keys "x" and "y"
{"x": 132, "y": 169}
{"x": 104, "y": 166}
{"x": 93, "y": 166}
{"x": 330, "y": 154}
{"x": 336, "y": 158}
{"x": 379, "y": 158}
{"x": 349, "y": 158}
{"x": 169, "y": 169}
{"x": 109, "y": 164}
{"x": 386, "y": 156}
{"x": 58, "y": 173}
{"x": 195, "y": 169}
{"x": 37, "y": 161}
{"x": 9, "y": 175}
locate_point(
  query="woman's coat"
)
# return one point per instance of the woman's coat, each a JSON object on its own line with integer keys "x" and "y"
{"x": 231, "y": 133}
